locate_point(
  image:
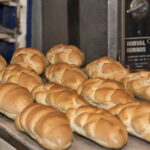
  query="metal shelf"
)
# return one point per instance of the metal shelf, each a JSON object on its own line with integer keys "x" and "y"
{"x": 11, "y": 3}
{"x": 6, "y": 30}
{"x": 7, "y": 34}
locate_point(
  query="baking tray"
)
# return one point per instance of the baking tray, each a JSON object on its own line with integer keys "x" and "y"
{"x": 22, "y": 141}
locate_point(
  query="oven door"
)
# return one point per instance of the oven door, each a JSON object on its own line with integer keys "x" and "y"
{"x": 135, "y": 34}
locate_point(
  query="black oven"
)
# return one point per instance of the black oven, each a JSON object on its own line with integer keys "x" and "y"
{"x": 135, "y": 34}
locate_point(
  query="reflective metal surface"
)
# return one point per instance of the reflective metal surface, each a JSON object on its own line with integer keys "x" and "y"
{"x": 139, "y": 9}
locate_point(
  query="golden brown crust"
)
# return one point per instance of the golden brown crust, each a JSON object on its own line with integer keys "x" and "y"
{"x": 98, "y": 125}
{"x": 30, "y": 58}
{"x": 46, "y": 125}
{"x": 65, "y": 74}
{"x": 3, "y": 62}
{"x": 138, "y": 83}
{"x": 104, "y": 93}
{"x": 136, "y": 117}
{"x": 107, "y": 68}
{"x": 20, "y": 75}
{"x": 60, "y": 97}
{"x": 13, "y": 99}
{"x": 65, "y": 53}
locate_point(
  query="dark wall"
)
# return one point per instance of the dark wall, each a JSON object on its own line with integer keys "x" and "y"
{"x": 92, "y": 26}
{"x": 55, "y": 25}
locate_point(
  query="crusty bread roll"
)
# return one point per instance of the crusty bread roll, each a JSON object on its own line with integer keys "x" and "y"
{"x": 20, "y": 75}
{"x": 30, "y": 58}
{"x": 60, "y": 97}
{"x": 138, "y": 83}
{"x": 13, "y": 99}
{"x": 107, "y": 68}
{"x": 49, "y": 127}
{"x": 104, "y": 93}
{"x": 98, "y": 125}
{"x": 65, "y": 74}
{"x": 136, "y": 117}
{"x": 65, "y": 53}
{"x": 3, "y": 62}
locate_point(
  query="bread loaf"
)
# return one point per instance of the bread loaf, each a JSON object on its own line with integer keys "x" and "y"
{"x": 20, "y": 75}
{"x": 136, "y": 117}
{"x": 3, "y": 62}
{"x": 13, "y": 99}
{"x": 55, "y": 95}
{"x": 104, "y": 93}
{"x": 65, "y": 53}
{"x": 138, "y": 83}
{"x": 107, "y": 68}
{"x": 30, "y": 58}
{"x": 65, "y": 74}
{"x": 98, "y": 125}
{"x": 46, "y": 125}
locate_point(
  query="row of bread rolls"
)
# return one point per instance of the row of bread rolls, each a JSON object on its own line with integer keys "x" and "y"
{"x": 136, "y": 123}
{"x": 60, "y": 97}
{"x": 73, "y": 104}
{"x": 29, "y": 117}
{"x": 134, "y": 114}
{"x": 34, "y": 59}
{"x": 50, "y": 127}
{"x": 85, "y": 120}
{"x": 65, "y": 74}
{"x": 103, "y": 67}
{"x": 105, "y": 93}
{"x": 96, "y": 91}
{"x": 136, "y": 117}
{"x": 137, "y": 83}
{"x": 55, "y": 95}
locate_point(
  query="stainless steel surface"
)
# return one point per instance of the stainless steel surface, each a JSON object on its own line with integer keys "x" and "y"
{"x": 113, "y": 28}
{"x": 5, "y": 146}
{"x": 122, "y": 32}
{"x": 37, "y": 35}
{"x": 79, "y": 143}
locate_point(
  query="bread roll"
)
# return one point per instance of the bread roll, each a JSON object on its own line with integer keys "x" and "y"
{"x": 98, "y": 125}
{"x": 20, "y": 75}
{"x": 138, "y": 83}
{"x": 3, "y": 62}
{"x": 136, "y": 117}
{"x": 46, "y": 125}
{"x": 107, "y": 68}
{"x": 13, "y": 99}
{"x": 65, "y": 53}
{"x": 104, "y": 93}
{"x": 65, "y": 74}
{"x": 60, "y": 97}
{"x": 30, "y": 58}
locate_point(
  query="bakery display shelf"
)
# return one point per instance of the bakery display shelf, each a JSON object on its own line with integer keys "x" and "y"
{"x": 7, "y": 34}
{"x": 21, "y": 141}
{"x": 6, "y": 30}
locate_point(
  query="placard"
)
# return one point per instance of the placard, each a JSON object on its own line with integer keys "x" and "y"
{"x": 137, "y": 34}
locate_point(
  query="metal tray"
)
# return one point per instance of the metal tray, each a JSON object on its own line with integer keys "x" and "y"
{"x": 22, "y": 141}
